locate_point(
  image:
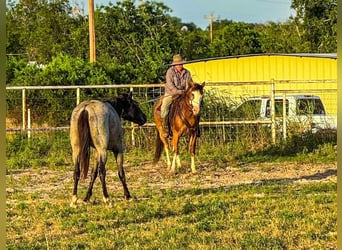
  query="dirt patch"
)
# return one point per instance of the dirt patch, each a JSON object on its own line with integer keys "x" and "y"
{"x": 209, "y": 177}
{"x": 147, "y": 177}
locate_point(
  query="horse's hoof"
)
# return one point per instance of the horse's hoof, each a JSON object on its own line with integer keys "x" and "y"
{"x": 173, "y": 172}
{"x": 131, "y": 199}
{"x": 128, "y": 198}
{"x": 73, "y": 202}
{"x": 107, "y": 202}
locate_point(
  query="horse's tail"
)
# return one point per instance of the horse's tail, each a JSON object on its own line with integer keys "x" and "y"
{"x": 84, "y": 137}
{"x": 159, "y": 149}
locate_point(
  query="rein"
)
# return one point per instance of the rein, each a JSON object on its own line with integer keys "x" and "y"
{"x": 179, "y": 110}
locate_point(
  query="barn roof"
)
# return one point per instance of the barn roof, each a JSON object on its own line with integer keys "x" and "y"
{"x": 315, "y": 55}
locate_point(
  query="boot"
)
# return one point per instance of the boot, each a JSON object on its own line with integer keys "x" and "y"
{"x": 198, "y": 132}
{"x": 165, "y": 127}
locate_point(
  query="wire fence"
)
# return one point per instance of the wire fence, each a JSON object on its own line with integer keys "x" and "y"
{"x": 38, "y": 109}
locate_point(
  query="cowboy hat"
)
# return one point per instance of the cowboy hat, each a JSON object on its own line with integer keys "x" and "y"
{"x": 177, "y": 59}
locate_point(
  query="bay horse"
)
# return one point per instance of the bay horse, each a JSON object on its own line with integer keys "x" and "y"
{"x": 97, "y": 124}
{"x": 183, "y": 119}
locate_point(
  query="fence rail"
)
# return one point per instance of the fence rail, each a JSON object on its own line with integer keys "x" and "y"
{"x": 271, "y": 88}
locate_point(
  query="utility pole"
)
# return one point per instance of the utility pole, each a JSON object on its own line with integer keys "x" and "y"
{"x": 91, "y": 17}
{"x": 211, "y": 20}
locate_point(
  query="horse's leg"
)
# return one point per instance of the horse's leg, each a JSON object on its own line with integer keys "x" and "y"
{"x": 176, "y": 159}
{"x": 167, "y": 154}
{"x": 76, "y": 177}
{"x": 192, "y": 148}
{"x": 121, "y": 173}
{"x": 166, "y": 149}
{"x": 102, "y": 172}
{"x": 94, "y": 173}
{"x": 166, "y": 145}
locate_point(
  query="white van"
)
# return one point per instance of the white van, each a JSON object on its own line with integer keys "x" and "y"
{"x": 307, "y": 110}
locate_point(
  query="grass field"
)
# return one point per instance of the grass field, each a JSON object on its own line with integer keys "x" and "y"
{"x": 263, "y": 200}
{"x": 183, "y": 211}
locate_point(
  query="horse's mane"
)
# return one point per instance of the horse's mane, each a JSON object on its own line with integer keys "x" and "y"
{"x": 122, "y": 103}
{"x": 179, "y": 102}
{"x": 176, "y": 105}
{"x": 198, "y": 87}
{"x": 183, "y": 96}
{"x": 117, "y": 102}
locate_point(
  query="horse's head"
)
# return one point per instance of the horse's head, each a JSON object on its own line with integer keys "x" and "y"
{"x": 131, "y": 110}
{"x": 195, "y": 95}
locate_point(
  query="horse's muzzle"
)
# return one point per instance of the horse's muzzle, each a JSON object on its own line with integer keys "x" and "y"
{"x": 143, "y": 120}
{"x": 138, "y": 119}
{"x": 141, "y": 123}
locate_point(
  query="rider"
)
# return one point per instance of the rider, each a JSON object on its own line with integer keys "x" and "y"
{"x": 177, "y": 78}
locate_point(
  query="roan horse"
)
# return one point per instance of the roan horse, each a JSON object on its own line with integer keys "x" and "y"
{"x": 183, "y": 119}
{"x": 97, "y": 124}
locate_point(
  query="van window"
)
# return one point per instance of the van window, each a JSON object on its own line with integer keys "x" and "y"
{"x": 278, "y": 106}
{"x": 309, "y": 107}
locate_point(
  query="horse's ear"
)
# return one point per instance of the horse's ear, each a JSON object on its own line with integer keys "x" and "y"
{"x": 130, "y": 94}
{"x": 203, "y": 84}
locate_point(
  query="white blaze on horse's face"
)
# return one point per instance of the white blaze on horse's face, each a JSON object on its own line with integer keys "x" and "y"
{"x": 196, "y": 101}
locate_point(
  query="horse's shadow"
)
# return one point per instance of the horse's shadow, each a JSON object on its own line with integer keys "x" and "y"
{"x": 314, "y": 177}
{"x": 317, "y": 176}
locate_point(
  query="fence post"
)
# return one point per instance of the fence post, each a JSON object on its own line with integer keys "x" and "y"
{"x": 132, "y": 124}
{"x": 24, "y": 108}
{"x": 273, "y": 125}
{"x": 284, "y": 117}
{"x": 28, "y": 123}
{"x": 77, "y": 96}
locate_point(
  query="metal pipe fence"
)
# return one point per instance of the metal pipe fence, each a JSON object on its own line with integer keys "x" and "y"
{"x": 226, "y": 94}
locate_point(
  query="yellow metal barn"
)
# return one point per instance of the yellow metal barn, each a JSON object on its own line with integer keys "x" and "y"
{"x": 251, "y": 75}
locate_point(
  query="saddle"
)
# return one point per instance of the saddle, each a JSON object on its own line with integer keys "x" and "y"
{"x": 167, "y": 118}
{"x": 158, "y": 106}
{"x": 160, "y": 102}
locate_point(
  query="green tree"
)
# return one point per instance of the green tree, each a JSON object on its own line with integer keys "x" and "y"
{"x": 316, "y": 23}
{"x": 194, "y": 43}
{"x": 279, "y": 38}
{"x": 142, "y": 38}
{"x": 134, "y": 43}
{"x": 235, "y": 38}
{"x": 62, "y": 70}
{"x": 41, "y": 29}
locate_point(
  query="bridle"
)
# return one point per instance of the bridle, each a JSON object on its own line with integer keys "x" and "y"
{"x": 192, "y": 102}
{"x": 190, "y": 107}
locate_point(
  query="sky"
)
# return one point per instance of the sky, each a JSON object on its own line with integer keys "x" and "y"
{"x": 198, "y": 11}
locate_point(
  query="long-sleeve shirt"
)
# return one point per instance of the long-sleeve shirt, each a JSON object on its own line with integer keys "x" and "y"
{"x": 176, "y": 82}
